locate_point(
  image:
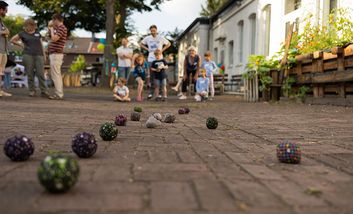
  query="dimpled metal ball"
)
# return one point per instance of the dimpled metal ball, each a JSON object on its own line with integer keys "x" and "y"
{"x": 120, "y": 120}
{"x": 135, "y": 116}
{"x": 84, "y": 145}
{"x": 181, "y": 111}
{"x": 19, "y": 148}
{"x": 288, "y": 152}
{"x": 58, "y": 173}
{"x": 211, "y": 123}
{"x": 187, "y": 110}
{"x": 108, "y": 131}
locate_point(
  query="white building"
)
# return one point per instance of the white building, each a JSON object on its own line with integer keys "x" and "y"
{"x": 245, "y": 27}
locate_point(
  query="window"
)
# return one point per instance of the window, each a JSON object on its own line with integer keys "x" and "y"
{"x": 231, "y": 53}
{"x": 222, "y": 57}
{"x": 267, "y": 27}
{"x": 240, "y": 41}
{"x": 252, "y": 19}
{"x": 292, "y": 5}
{"x": 215, "y": 53}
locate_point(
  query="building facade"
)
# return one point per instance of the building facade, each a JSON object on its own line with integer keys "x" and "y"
{"x": 245, "y": 27}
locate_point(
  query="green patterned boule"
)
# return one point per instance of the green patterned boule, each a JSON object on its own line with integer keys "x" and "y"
{"x": 211, "y": 123}
{"x": 138, "y": 109}
{"x": 58, "y": 173}
{"x": 108, "y": 131}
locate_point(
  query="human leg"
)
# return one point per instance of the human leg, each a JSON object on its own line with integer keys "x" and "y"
{"x": 3, "y": 60}
{"x": 55, "y": 70}
{"x": 28, "y": 62}
{"x": 212, "y": 85}
{"x": 39, "y": 66}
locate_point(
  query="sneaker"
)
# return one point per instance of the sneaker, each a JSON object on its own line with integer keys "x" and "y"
{"x": 55, "y": 97}
{"x": 164, "y": 98}
{"x": 158, "y": 99}
{"x": 175, "y": 89}
{"x": 5, "y": 94}
{"x": 180, "y": 94}
{"x": 160, "y": 96}
{"x": 182, "y": 97}
{"x": 32, "y": 94}
{"x": 44, "y": 94}
{"x": 150, "y": 96}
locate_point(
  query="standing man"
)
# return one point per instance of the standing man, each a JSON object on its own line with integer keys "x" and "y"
{"x": 58, "y": 36}
{"x": 151, "y": 43}
{"x": 124, "y": 54}
{"x": 4, "y": 48}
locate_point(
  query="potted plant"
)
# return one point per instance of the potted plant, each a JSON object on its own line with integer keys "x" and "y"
{"x": 76, "y": 69}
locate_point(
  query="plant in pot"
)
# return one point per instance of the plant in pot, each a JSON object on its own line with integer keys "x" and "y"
{"x": 259, "y": 67}
{"x": 300, "y": 96}
{"x": 76, "y": 68}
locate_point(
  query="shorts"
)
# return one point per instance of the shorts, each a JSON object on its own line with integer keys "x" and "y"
{"x": 160, "y": 82}
{"x": 139, "y": 78}
{"x": 123, "y": 72}
{"x": 3, "y": 60}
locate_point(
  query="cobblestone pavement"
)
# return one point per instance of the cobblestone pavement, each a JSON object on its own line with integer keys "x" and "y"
{"x": 183, "y": 167}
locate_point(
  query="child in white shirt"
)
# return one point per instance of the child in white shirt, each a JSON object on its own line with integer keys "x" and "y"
{"x": 121, "y": 92}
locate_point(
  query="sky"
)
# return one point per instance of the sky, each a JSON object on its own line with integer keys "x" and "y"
{"x": 174, "y": 14}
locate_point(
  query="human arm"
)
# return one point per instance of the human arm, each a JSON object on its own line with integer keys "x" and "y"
{"x": 55, "y": 36}
{"x": 127, "y": 94}
{"x": 15, "y": 40}
{"x": 143, "y": 44}
{"x": 185, "y": 67}
{"x": 198, "y": 86}
{"x": 166, "y": 44}
{"x": 5, "y": 32}
{"x": 198, "y": 69}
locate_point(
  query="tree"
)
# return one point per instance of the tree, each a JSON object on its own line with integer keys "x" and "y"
{"x": 14, "y": 23}
{"x": 212, "y": 6}
{"x": 122, "y": 8}
{"x": 84, "y": 14}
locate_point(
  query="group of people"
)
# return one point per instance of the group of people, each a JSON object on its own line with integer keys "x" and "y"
{"x": 153, "y": 71}
{"x": 34, "y": 54}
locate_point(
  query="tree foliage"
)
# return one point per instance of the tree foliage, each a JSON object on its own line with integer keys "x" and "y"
{"x": 211, "y": 7}
{"x": 89, "y": 15}
{"x": 83, "y": 14}
{"x": 14, "y": 23}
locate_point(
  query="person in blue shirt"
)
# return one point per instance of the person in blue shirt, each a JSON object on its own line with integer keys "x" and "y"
{"x": 202, "y": 85}
{"x": 210, "y": 67}
{"x": 140, "y": 75}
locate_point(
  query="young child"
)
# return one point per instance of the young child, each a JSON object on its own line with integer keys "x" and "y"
{"x": 140, "y": 75}
{"x": 121, "y": 92}
{"x": 159, "y": 67}
{"x": 202, "y": 86}
{"x": 210, "y": 67}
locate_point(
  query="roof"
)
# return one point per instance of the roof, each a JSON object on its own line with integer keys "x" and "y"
{"x": 77, "y": 45}
{"x": 206, "y": 20}
{"x": 201, "y": 20}
{"x": 81, "y": 45}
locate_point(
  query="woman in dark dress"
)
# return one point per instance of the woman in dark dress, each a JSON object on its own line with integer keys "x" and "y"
{"x": 192, "y": 64}
{"x": 33, "y": 56}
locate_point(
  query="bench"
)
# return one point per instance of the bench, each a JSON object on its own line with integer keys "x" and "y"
{"x": 236, "y": 81}
{"x": 219, "y": 81}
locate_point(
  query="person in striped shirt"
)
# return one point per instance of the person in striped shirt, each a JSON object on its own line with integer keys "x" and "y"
{"x": 58, "y": 37}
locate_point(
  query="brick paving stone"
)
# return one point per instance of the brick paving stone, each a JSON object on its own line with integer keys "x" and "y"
{"x": 214, "y": 196}
{"x": 172, "y": 196}
{"x": 181, "y": 167}
{"x": 262, "y": 172}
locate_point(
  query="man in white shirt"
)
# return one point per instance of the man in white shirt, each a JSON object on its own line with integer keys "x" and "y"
{"x": 124, "y": 54}
{"x": 151, "y": 43}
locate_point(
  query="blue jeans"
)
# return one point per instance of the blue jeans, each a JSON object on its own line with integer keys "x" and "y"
{"x": 7, "y": 80}
{"x": 123, "y": 72}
